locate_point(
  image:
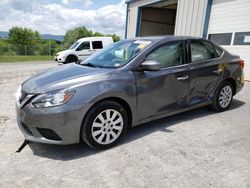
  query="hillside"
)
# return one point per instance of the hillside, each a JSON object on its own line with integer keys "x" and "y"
{"x": 4, "y": 34}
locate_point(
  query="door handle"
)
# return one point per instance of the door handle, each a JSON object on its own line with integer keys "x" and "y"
{"x": 185, "y": 77}
{"x": 217, "y": 71}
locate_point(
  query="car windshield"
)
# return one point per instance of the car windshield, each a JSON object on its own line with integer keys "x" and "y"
{"x": 74, "y": 45}
{"x": 117, "y": 54}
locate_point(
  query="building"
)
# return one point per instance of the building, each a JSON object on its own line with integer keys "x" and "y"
{"x": 227, "y": 22}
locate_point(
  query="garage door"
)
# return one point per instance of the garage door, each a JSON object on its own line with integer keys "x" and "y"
{"x": 229, "y": 26}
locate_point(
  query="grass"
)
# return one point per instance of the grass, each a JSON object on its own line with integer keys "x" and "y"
{"x": 22, "y": 58}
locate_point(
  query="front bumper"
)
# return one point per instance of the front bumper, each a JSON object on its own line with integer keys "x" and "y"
{"x": 59, "y": 59}
{"x": 55, "y": 125}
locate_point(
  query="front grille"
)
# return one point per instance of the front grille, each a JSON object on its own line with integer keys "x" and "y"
{"x": 49, "y": 134}
{"x": 26, "y": 128}
{"x": 25, "y": 98}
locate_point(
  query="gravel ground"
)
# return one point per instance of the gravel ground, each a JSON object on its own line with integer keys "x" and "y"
{"x": 199, "y": 148}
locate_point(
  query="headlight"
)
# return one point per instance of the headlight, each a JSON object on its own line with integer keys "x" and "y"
{"x": 52, "y": 99}
{"x": 18, "y": 93}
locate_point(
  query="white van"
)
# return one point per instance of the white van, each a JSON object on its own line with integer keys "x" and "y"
{"x": 82, "y": 49}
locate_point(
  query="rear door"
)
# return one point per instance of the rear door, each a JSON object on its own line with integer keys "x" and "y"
{"x": 83, "y": 50}
{"x": 97, "y": 45}
{"x": 205, "y": 70}
{"x": 164, "y": 91}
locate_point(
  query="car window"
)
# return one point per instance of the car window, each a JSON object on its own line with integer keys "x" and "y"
{"x": 218, "y": 50}
{"x": 83, "y": 46}
{"x": 97, "y": 45}
{"x": 202, "y": 50}
{"x": 171, "y": 54}
{"x": 73, "y": 46}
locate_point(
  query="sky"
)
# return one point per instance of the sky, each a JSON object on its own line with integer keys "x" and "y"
{"x": 58, "y": 16}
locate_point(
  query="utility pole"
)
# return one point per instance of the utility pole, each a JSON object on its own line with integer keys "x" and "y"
{"x": 49, "y": 51}
{"x": 26, "y": 52}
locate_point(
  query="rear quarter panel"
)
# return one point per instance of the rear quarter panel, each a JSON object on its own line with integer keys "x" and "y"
{"x": 233, "y": 70}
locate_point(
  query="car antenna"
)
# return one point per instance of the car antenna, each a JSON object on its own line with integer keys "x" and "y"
{"x": 25, "y": 142}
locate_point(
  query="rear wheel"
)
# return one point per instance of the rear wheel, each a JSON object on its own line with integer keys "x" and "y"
{"x": 104, "y": 125}
{"x": 223, "y": 96}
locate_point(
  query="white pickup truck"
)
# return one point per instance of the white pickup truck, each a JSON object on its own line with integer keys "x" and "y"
{"x": 82, "y": 49}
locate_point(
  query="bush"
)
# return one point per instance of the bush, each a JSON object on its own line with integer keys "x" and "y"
{"x": 5, "y": 48}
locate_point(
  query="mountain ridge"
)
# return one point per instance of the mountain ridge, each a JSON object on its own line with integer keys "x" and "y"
{"x": 4, "y": 34}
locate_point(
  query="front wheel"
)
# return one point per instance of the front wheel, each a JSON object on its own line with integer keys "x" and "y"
{"x": 70, "y": 59}
{"x": 104, "y": 125}
{"x": 223, "y": 96}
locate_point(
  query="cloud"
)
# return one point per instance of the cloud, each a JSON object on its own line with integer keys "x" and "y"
{"x": 58, "y": 18}
{"x": 86, "y": 3}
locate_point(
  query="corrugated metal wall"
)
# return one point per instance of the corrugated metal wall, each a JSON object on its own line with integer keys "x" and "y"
{"x": 190, "y": 17}
{"x": 132, "y": 15}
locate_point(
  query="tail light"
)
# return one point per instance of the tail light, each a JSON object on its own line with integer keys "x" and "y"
{"x": 241, "y": 62}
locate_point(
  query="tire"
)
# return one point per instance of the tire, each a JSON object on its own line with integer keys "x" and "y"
{"x": 100, "y": 132}
{"x": 223, "y": 97}
{"x": 70, "y": 59}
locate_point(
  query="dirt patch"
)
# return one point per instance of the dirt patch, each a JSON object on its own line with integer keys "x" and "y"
{"x": 2, "y": 126}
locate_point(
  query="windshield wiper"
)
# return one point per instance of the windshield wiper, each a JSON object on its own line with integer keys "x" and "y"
{"x": 91, "y": 65}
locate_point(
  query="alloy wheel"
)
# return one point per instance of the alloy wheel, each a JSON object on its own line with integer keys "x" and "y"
{"x": 225, "y": 96}
{"x": 107, "y": 126}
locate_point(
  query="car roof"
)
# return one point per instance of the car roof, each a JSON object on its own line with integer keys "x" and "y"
{"x": 165, "y": 37}
{"x": 93, "y": 38}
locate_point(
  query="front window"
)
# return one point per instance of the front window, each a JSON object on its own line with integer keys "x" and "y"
{"x": 168, "y": 55}
{"x": 83, "y": 46}
{"x": 74, "y": 45}
{"x": 117, "y": 54}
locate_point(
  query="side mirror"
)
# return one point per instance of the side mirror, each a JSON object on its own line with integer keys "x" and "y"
{"x": 151, "y": 66}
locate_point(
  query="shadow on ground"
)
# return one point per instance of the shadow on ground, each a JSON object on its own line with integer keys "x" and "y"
{"x": 75, "y": 151}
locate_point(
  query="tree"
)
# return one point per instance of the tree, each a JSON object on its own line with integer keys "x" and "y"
{"x": 21, "y": 37}
{"x": 73, "y": 35}
{"x": 5, "y": 48}
{"x": 47, "y": 47}
{"x": 115, "y": 37}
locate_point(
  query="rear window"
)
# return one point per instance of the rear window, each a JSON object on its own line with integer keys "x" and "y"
{"x": 97, "y": 45}
{"x": 218, "y": 50}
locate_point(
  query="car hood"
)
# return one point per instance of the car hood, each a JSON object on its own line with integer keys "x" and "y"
{"x": 64, "y": 52}
{"x": 64, "y": 76}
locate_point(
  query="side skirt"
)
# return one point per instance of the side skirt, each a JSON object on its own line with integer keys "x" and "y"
{"x": 172, "y": 113}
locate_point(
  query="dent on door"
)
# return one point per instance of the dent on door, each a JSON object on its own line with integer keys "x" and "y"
{"x": 204, "y": 78}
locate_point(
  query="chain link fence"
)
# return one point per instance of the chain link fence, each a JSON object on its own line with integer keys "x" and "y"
{"x": 43, "y": 51}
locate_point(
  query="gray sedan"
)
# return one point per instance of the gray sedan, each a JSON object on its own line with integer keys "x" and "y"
{"x": 128, "y": 83}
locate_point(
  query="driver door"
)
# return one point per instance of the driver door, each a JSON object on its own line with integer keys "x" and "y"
{"x": 164, "y": 91}
{"x": 83, "y": 50}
